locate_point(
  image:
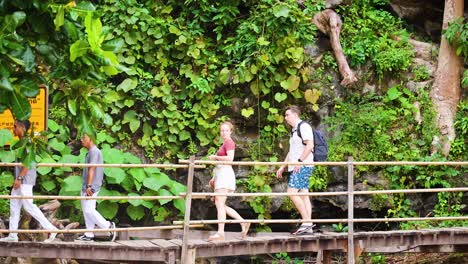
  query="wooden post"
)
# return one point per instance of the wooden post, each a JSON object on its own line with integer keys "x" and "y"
{"x": 324, "y": 257}
{"x": 350, "y": 211}
{"x": 188, "y": 204}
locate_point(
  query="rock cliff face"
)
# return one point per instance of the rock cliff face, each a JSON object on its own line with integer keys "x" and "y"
{"x": 336, "y": 206}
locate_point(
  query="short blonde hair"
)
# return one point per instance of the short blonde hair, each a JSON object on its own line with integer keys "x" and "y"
{"x": 228, "y": 123}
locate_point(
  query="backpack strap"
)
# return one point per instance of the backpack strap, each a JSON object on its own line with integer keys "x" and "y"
{"x": 299, "y": 131}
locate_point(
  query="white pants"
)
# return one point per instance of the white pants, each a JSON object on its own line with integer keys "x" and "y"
{"x": 92, "y": 216}
{"x": 29, "y": 206}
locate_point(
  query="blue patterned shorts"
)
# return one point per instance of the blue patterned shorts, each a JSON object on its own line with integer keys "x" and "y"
{"x": 300, "y": 180}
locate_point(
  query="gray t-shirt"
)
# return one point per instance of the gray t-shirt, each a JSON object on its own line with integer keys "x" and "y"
{"x": 29, "y": 178}
{"x": 94, "y": 156}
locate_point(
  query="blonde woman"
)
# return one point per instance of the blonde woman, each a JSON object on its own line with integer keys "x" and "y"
{"x": 224, "y": 181}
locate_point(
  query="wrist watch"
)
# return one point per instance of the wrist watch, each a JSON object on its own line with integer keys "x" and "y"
{"x": 20, "y": 178}
{"x": 88, "y": 186}
{"x": 299, "y": 160}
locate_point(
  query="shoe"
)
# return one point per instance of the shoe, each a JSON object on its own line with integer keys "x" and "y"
{"x": 113, "y": 234}
{"x": 216, "y": 237}
{"x": 304, "y": 230}
{"x": 245, "y": 230}
{"x": 84, "y": 238}
{"x": 51, "y": 237}
{"x": 9, "y": 239}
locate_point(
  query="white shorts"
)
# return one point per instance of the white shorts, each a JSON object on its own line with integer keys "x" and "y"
{"x": 224, "y": 177}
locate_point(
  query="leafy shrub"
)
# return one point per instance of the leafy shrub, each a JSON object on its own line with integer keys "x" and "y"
{"x": 363, "y": 39}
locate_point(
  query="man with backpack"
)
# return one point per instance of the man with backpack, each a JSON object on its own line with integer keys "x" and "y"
{"x": 301, "y": 145}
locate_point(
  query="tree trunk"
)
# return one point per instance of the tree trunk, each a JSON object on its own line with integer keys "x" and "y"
{"x": 330, "y": 23}
{"x": 446, "y": 91}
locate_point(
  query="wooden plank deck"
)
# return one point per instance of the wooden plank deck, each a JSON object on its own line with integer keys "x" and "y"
{"x": 169, "y": 250}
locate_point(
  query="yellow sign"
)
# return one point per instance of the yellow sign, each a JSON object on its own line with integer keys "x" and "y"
{"x": 39, "y": 111}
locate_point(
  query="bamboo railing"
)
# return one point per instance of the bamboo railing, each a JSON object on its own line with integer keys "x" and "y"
{"x": 193, "y": 164}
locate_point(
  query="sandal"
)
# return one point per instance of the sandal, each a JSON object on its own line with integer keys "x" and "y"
{"x": 245, "y": 230}
{"x": 216, "y": 237}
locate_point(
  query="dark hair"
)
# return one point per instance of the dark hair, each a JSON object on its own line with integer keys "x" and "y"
{"x": 90, "y": 134}
{"x": 294, "y": 109}
{"x": 25, "y": 123}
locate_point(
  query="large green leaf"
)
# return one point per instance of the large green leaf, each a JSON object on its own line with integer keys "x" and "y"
{"x": 292, "y": 83}
{"x": 11, "y": 22}
{"x": 7, "y": 156}
{"x": 132, "y": 118}
{"x": 135, "y": 213}
{"x": 45, "y": 170}
{"x": 5, "y": 136}
{"x": 138, "y": 174}
{"x": 29, "y": 60}
{"x": 115, "y": 175}
{"x": 48, "y": 185}
{"x": 28, "y": 87}
{"x": 78, "y": 49}
{"x": 107, "y": 209}
{"x": 113, "y": 156}
{"x": 5, "y": 84}
{"x": 177, "y": 188}
{"x": 152, "y": 184}
{"x": 59, "y": 19}
{"x": 20, "y": 107}
{"x": 135, "y": 202}
{"x": 164, "y": 192}
{"x": 72, "y": 185}
{"x": 281, "y": 10}
{"x": 127, "y": 85}
{"x": 6, "y": 178}
{"x": 93, "y": 29}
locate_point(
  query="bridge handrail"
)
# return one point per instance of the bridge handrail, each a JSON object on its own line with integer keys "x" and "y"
{"x": 189, "y": 195}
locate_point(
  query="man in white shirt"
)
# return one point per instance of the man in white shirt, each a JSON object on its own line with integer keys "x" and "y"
{"x": 300, "y": 150}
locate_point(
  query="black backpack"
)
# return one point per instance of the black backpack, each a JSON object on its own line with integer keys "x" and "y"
{"x": 320, "y": 143}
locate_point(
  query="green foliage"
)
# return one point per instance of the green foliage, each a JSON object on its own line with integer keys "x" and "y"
{"x": 421, "y": 73}
{"x": 457, "y": 34}
{"x": 459, "y": 147}
{"x": 184, "y": 55}
{"x": 84, "y": 104}
{"x": 383, "y": 128}
{"x": 319, "y": 179}
{"x": 340, "y": 227}
{"x": 6, "y": 181}
{"x": 283, "y": 257}
{"x": 258, "y": 182}
{"x": 118, "y": 181}
{"x": 377, "y": 258}
{"x": 363, "y": 39}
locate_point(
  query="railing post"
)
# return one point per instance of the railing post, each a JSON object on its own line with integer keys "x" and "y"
{"x": 188, "y": 204}
{"x": 350, "y": 211}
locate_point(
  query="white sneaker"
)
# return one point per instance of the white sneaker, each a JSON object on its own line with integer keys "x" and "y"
{"x": 113, "y": 234}
{"x": 9, "y": 239}
{"x": 51, "y": 238}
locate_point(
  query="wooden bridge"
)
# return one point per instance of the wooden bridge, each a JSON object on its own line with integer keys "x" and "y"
{"x": 168, "y": 250}
{"x": 166, "y": 244}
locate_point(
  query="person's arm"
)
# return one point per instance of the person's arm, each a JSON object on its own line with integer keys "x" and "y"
{"x": 19, "y": 179}
{"x": 91, "y": 171}
{"x": 229, "y": 157}
{"x": 305, "y": 153}
{"x": 279, "y": 172}
{"x": 307, "y": 149}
